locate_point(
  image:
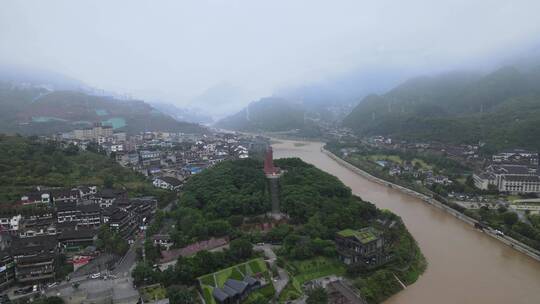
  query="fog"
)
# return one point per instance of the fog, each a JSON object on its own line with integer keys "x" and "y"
{"x": 222, "y": 54}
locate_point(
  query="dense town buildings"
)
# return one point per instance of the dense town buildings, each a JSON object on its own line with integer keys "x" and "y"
{"x": 165, "y": 157}
{"x": 31, "y": 243}
{"x": 70, "y": 217}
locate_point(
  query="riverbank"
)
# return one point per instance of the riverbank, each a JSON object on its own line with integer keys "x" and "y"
{"x": 523, "y": 248}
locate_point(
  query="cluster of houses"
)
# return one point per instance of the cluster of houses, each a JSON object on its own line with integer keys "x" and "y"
{"x": 64, "y": 221}
{"x": 465, "y": 154}
{"x": 408, "y": 168}
{"x": 167, "y": 158}
{"x": 512, "y": 171}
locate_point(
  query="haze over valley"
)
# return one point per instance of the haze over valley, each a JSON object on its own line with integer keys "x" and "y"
{"x": 257, "y": 152}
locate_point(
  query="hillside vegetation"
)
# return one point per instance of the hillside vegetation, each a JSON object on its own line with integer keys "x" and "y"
{"x": 231, "y": 198}
{"x": 500, "y": 109}
{"x": 31, "y": 110}
{"x": 27, "y": 162}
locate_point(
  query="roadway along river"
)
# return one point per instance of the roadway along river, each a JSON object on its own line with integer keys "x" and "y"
{"x": 465, "y": 265}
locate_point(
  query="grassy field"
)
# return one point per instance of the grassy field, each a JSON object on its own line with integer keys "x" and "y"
{"x": 289, "y": 293}
{"x": 396, "y": 159}
{"x": 153, "y": 293}
{"x": 307, "y": 270}
{"x": 422, "y": 164}
{"x": 318, "y": 267}
{"x": 217, "y": 279}
{"x": 393, "y": 158}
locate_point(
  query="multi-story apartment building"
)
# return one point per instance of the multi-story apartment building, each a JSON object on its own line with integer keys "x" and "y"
{"x": 120, "y": 221}
{"x": 67, "y": 212}
{"x": 38, "y": 225}
{"x": 10, "y": 224}
{"x": 34, "y": 258}
{"x": 7, "y": 267}
{"x": 94, "y": 133}
{"x": 89, "y": 216}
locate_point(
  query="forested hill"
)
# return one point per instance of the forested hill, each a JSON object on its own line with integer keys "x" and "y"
{"x": 500, "y": 108}
{"x": 231, "y": 200}
{"x": 28, "y": 162}
{"x": 35, "y": 110}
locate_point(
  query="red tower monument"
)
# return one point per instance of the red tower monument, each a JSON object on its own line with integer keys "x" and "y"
{"x": 269, "y": 168}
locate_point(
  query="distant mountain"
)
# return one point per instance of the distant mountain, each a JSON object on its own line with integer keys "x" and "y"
{"x": 269, "y": 114}
{"x": 37, "y": 110}
{"x": 183, "y": 114}
{"x": 220, "y": 100}
{"x": 23, "y": 75}
{"x": 500, "y": 108}
{"x": 347, "y": 88}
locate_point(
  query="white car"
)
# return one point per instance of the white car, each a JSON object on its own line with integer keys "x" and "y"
{"x": 95, "y": 275}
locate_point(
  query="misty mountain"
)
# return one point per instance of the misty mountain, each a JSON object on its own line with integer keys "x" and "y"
{"x": 17, "y": 74}
{"x": 347, "y": 88}
{"x": 500, "y": 108}
{"x": 269, "y": 114}
{"x": 220, "y": 100}
{"x": 36, "y": 110}
{"x": 183, "y": 114}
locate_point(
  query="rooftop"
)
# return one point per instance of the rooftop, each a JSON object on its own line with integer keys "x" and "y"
{"x": 364, "y": 235}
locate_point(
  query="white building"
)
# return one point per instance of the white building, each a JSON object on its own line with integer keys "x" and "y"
{"x": 168, "y": 183}
{"x": 509, "y": 178}
{"x": 10, "y": 223}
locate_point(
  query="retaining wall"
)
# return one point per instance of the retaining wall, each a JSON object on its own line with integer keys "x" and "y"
{"x": 517, "y": 245}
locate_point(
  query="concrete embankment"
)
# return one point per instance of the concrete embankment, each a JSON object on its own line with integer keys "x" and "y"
{"x": 515, "y": 244}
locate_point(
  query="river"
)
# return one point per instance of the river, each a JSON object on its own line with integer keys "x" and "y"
{"x": 464, "y": 265}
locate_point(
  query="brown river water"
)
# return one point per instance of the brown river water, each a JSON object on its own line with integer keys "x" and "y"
{"x": 464, "y": 265}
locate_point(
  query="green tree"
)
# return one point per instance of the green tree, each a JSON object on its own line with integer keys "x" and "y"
{"x": 510, "y": 218}
{"x": 317, "y": 296}
{"x": 241, "y": 249}
{"x": 152, "y": 253}
{"x": 180, "y": 295}
{"x": 108, "y": 182}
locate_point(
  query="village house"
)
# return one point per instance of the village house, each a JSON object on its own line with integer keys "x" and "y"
{"x": 235, "y": 291}
{"x": 36, "y": 197}
{"x": 516, "y": 156}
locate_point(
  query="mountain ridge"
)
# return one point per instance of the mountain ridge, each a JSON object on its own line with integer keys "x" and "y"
{"x": 458, "y": 108}
{"x": 33, "y": 110}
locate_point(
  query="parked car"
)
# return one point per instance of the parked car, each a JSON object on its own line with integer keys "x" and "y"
{"x": 24, "y": 290}
{"x": 96, "y": 275}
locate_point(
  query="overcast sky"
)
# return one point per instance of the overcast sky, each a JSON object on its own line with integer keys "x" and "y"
{"x": 177, "y": 50}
